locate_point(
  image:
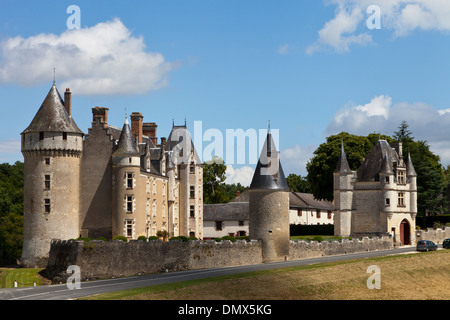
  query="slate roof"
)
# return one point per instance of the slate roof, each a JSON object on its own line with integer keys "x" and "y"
{"x": 127, "y": 146}
{"x": 267, "y": 177}
{"x": 342, "y": 165}
{"x": 52, "y": 116}
{"x": 226, "y": 211}
{"x": 373, "y": 163}
{"x": 176, "y": 143}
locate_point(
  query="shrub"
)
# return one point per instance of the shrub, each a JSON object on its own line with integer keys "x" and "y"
{"x": 153, "y": 238}
{"x": 232, "y": 239}
{"x": 143, "y": 238}
{"x": 317, "y": 238}
{"x": 124, "y": 239}
{"x": 102, "y": 239}
{"x": 246, "y": 238}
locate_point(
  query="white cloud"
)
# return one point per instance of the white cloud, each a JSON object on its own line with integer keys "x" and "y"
{"x": 284, "y": 49}
{"x": 383, "y": 116}
{"x": 103, "y": 59}
{"x": 400, "y": 16}
{"x": 294, "y": 159}
{"x": 242, "y": 175}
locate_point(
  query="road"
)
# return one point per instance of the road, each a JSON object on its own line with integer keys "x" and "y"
{"x": 61, "y": 292}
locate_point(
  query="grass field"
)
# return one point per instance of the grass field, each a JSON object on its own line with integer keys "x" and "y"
{"x": 24, "y": 277}
{"x": 405, "y": 277}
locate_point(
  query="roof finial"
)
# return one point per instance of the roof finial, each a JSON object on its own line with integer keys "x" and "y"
{"x": 269, "y": 126}
{"x": 173, "y": 122}
{"x": 54, "y": 75}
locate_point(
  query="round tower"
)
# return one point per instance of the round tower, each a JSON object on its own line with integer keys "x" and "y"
{"x": 126, "y": 163}
{"x": 269, "y": 205}
{"x": 52, "y": 146}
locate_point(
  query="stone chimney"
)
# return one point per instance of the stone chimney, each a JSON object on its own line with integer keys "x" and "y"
{"x": 149, "y": 130}
{"x": 68, "y": 101}
{"x": 136, "y": 126}
{"x": 100, "y": 113}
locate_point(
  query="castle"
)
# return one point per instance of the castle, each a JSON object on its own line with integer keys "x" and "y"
{"x": 109, "y": 182}
{"x": 380, "y": 198}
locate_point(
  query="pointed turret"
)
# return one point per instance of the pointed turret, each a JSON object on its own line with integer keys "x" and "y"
{"x": 410, "y": 171}
{"x": 127, "y": 146}
{"x": 269, "y": 205}
{"x": 52, "y": 116}
{"x": 269, "y": 173}
{"x": 342, "y": 165}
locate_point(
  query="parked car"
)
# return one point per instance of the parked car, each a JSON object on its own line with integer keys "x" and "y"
{"x": 426, "y": 245}
{"x": 446, "y": 244}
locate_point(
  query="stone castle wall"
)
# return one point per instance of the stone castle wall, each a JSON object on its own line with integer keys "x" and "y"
{"x": 99, "y": 260}
{"x": 437, "y": 235}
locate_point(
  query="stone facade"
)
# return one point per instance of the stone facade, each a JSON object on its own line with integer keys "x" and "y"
{"x": 109, "y": 182}
{"x": 378, "y": 199}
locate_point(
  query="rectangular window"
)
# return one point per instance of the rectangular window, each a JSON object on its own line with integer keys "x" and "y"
{"x": 218, "y": 225}
{"x": 129, "y": 228}
{"x": 329, "y": 214}
{"x": 47, "y": 205}
{"x": 47, "y": 182}
{"x": 129, "y": 204}
{"x": 241, "y": 223}
{"x": 387, "y": 179}
{"x": 129, "y": 181}
{"x": 192, "y": 212}
{"x": 47, "y": 161}
{"x": 401, "y": 199}
{"x": 192, "y": 192}
{"x": 192, "y": 168}
{"x": 41, "y": 136}
{"x": 401, "y": 177}
{"x": 299, "y": 212}
{"x": 318, "y": 214}
{"x": 387, "y": 202}
{"x": 65, "y": 136}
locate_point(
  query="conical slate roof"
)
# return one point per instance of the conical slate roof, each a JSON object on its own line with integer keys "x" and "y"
{"x": 269, "y": 173}
{"x": 127, "y": 146}
{"x": 52, "y": 116}
{"x": 410, "y": 171}
{"x": 342, "y": 165}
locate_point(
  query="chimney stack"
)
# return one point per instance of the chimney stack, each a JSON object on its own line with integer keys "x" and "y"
{"x": 100, "y": 113}
{"x": 68, "y": 101}
{"x": 149, "y": 130}
{"x": 136, "y": 126}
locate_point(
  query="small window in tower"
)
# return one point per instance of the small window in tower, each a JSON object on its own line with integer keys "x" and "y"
{"x": 41, "y": 136}
{"x": 192, "y": 168}
{"x": 401, "y": 199}
{"x": 129, "y": 181}
{"x": 129, "y": 160}
{"x": 129, "y": 228}
{"x": 387, "y": 202}
{"x": 192, "y": 192}
{"x": 401, "y": 177}
{"x": 47, "y": 182}
{"x": 65, "y": 136}
{"x": 47, "y": 205}
{"x": 192, "y": 211}
{"x": 387, "y": 179}
{"x": 47, "y": 161}
{"x": 129, "y": 204}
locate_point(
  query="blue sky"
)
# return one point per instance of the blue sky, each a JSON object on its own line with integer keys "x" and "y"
{"x": 313, "y": 68}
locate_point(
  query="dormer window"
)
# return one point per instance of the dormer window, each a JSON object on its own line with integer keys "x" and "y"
{"x": 401, "y": 177}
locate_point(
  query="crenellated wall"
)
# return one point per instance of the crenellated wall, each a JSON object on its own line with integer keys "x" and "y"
{"x": 98, "y": 259}
{"x": 435, "y": 235}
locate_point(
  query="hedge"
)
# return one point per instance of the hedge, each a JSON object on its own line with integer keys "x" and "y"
{"x": 310, "y": 230}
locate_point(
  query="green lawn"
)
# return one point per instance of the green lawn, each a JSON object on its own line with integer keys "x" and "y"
{"x": 24, "y": 277}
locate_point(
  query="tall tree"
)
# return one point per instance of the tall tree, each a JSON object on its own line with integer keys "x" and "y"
{"x": 297, "y": 183}
{"x": 214, "y": 190}
{"x": 323, "y": 164}
{"x": 403, "y": 134}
